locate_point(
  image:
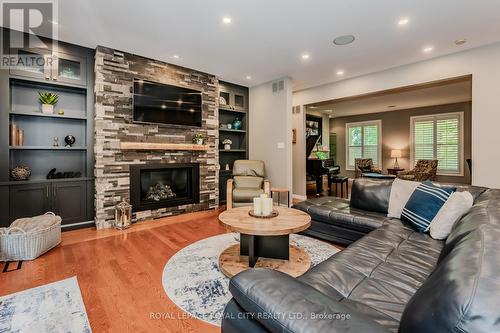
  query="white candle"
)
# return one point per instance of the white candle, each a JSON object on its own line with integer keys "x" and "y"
{"x": 263, "y": 195}
{"x": 267, "y": 206}
{"x": 257, "y": 206}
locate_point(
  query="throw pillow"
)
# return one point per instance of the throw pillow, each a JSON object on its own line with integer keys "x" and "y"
{"x": 366, "y": 168}
{"x": 424, "y": 204}
{"x": 401, "y": 191}
{"x": 455, "y": 207}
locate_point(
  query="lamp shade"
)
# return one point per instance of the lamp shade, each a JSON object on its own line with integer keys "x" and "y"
{"x": 395, "y": 153}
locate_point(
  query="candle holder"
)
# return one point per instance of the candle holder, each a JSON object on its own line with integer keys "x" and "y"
{"x": 274, "y": 213}
{"x": 123, "y": 215}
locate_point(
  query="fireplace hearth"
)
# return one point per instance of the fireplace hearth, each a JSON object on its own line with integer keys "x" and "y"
{"x": 154, "y": 186}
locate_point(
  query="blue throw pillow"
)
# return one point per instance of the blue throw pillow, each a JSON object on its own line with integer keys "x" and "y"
{"x": 424, "y": 204}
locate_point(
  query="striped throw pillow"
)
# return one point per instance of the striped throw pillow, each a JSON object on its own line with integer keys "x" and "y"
{"x": 424, "y": 204}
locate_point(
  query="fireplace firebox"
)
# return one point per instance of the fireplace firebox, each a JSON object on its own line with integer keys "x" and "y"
{"x": 154, "y": 186}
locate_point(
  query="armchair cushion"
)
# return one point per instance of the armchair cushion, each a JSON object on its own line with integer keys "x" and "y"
{"x": 246, "y": 194}
{"x": 248, "y": 168}
{"x": 248, "y": 181}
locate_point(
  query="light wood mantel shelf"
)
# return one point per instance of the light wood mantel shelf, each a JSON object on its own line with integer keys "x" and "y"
{"x": 161, "y": 146}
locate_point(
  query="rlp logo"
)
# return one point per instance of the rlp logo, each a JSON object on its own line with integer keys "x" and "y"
{"x": 25, "y": 22}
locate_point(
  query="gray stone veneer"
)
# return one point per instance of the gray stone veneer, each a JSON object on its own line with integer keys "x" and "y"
{"x": 114, "y": 74}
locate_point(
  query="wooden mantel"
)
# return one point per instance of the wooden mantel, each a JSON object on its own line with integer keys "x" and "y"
{"x": 161, "y": 146}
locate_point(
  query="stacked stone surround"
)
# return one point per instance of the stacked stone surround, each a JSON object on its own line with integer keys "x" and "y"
{"x": 114, "y": 74}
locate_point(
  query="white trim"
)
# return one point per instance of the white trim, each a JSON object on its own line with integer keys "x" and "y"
{"x": 434, "y": 117}
{"x": 378, "y": 122}
{"x": 299, "y": 197}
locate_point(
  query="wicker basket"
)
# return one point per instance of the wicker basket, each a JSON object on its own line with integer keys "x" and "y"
{"x": 29, "y": 238}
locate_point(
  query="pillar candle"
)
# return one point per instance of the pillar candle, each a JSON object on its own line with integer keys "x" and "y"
{"x": 267, "y": 206}
{"x": 257, "y": 206}
{"x": 263, "y": 195}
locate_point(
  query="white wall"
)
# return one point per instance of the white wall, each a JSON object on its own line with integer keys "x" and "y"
{"x": 484, "y": 65}
{"x": 270, "y": 125}
{"x": 299, "y": 155}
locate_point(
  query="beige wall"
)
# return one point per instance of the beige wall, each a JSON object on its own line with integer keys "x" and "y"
{"x": 396, "y": 135}
{"x": 484, "y": 65}
{"x": 298, "y": 155}
{"x": 271, "y": 126}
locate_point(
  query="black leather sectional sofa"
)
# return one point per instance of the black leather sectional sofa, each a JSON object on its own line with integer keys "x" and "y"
{"x": 391, "y": 279}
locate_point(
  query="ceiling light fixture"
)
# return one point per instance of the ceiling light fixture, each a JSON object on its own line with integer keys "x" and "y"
{"x": 248, "y": 77}
{"x": 344, "y": 40}
{"x": 460, "y": 41}
{"x": 313, "y": 107}
{"x": 340, "y": 72}
{"x": 226, "y": 20}
{"x": 175, "y": 56}
{"x": 305, "y": 56}
{"x": 403, "y": 21}
{"x": 54, "y": 22}
{"x": 428, "y": 49}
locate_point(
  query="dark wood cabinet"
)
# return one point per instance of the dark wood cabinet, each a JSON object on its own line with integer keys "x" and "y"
{"x": 69, "y": 201}
{"x": 29, "y": 200}
{"x": 224, "y": 175}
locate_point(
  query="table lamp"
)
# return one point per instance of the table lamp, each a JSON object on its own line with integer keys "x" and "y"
{"x": 395, "y": 153}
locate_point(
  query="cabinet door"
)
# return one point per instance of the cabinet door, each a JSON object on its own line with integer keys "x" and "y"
{"x": 69, "y": 69}
{"x": 239, "y": 100}
{"x": 224, "y": 99}
{"x": 69, "y": 200}
{"x": 32, "y": 64}
{"x": 29, "y": 200}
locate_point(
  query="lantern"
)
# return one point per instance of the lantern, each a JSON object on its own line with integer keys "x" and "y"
{"x": 123, "y": 215}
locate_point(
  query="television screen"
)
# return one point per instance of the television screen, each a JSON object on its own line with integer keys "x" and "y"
{"x": 166, "y": 104}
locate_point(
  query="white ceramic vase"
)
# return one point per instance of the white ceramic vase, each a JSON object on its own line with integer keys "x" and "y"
{"x": 227, "y": 147}
{"x": 199, "y": 141}
{"x": 47, "y": 109}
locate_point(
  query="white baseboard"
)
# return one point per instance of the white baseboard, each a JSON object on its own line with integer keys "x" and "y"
{"x": 299, "y": 197}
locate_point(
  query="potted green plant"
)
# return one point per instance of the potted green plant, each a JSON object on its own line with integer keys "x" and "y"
{"x": 48, "y": 101}
{"x": 199, "y": 138}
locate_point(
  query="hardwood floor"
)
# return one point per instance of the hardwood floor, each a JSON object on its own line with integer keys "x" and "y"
{"x": 120, "y": 273}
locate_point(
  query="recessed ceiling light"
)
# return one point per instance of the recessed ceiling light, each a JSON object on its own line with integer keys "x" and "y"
{"x": 248, "y": 77}
{"x": 305, "y": 56}
{"x": 175, "y": 56}
{"x": 54, "y": 22}
{"x": 460, "y": 41}
{"x": 428, "y": 49}
{"x": 340, "y": 72}
{"x": 344, "y": 40}
{"x": 403, "y": 21}
{"x": 226, "y": 20}
{"x": 313, "y": 107}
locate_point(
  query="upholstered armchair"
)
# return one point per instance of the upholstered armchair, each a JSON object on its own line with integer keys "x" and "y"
{"x": 247, "y": 183}
{"x": 364, "y": 165}
{"x": 423, "y": 170}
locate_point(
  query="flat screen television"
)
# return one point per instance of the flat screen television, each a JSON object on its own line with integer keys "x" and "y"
{"x": 166, "y": 104}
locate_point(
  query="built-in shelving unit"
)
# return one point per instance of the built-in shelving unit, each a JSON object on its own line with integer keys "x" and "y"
{"x": 69, "y": 74}
{"x": 235, "y": 107}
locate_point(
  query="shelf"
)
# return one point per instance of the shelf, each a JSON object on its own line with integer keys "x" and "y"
{"x": 231, "y": 130}
{"x": 45, "y": 148}
{"x": 227, "y": 109}
{"x": 161, "y": 146}
{"x": 232, "y": 151}
{"x": 43, "y": 180}
{"x": 40, "y": 114}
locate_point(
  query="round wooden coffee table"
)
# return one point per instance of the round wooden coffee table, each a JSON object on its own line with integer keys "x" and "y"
{"x": 264, "y": 242}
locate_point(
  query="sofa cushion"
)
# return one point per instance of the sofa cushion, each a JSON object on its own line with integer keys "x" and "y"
{"x": 461, "y": 295}
{"x": 243, "y": 194}
{"x": 424, "y": 204}
{"x": 371, "y": 195}
{"x": 454, "y": 208}
{"x": 378, "y": 274}
{"x": 401, "y": 192}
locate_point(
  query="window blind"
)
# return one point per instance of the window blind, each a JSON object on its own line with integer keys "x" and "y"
{"x": 363, "y": 141}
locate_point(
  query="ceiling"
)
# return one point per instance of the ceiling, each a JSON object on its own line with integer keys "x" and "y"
{"x": 266, "y": 39}
{"x": 454, "y": 91}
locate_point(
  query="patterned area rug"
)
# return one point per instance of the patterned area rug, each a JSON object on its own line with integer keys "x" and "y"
{"x": 53, "y": 307}
{"x": 193, "y": 281}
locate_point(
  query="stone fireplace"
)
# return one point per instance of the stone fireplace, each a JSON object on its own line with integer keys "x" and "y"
{"x": 155, "y": 186}
{"x": 124, "y": 148}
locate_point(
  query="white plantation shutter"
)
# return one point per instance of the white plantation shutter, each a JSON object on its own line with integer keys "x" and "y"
{"x": 439, "y": 137}
{"x": 363, "y": 141}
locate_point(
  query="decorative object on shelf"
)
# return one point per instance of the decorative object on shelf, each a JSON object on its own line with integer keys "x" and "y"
{"x": 222, "y": 100}
{"x": 55, "y": 142}
{"x": 60, "y": 112}
{"x": 237, "y": 124}
{"x": 70, "y": 140}
{"x": 48, "y": 101}
{"x": 227, "y": 144}
{"x": 13, "y": 134}
{"x": 20, "y": 172}
{"x": 229, "y": 126}
{"x": 20, "y": 137}
{"x": 199, "y": 139}
{"x": 227, "y": 167}
{"x": 395, "y": 153}
{"x": 61, "y": 175}
{"x": 123, "y": 215}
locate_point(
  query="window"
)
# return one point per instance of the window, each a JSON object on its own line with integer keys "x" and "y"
{"x": 439, "y": 137}
{"x": 363, "y": 141}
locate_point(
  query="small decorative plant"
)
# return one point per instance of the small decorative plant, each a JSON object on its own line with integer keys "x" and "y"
{"x": 48, "y": 101}
{"x": 227, "y": 144}
{"x": 199, "y": 138}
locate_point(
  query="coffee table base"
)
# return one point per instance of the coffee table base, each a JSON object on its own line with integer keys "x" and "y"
{"x": 232, "y": 263}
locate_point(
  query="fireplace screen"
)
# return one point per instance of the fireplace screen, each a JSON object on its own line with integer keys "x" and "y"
{"x": 164, "y": 185}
